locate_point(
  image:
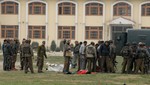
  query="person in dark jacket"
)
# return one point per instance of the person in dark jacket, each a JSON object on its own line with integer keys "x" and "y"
{"x": 105, "y": 57}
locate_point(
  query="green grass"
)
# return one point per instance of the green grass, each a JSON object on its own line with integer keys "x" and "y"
{"x": 53, "y": 78}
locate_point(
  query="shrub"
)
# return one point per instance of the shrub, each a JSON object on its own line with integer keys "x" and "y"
{"x": 35, "y": 45}
{"x": 53, "y": 46}
{"x": 57, "y": 49}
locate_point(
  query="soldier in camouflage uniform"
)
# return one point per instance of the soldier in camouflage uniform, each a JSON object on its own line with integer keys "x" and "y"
{"x": 126, "y": 54}
{"x": 15, "y": 48}
{"x": 28, "y": 54}
{"x": 75, "y": 54}
{"x": 90, "y": 55}
{"x": 142, "y": 53}
{"x": 21, "y": 54}
{"x": 41, "y": 53}
{"x": 133, "y": 57}
{"x": 67, "y": 57}
{"x": 112, "y": 56}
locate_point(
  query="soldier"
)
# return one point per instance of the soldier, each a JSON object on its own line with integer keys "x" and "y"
{"x": 90, "y": 55}
{"x": 142, "y": 53}
{"x": 99, "y": 56}
{"x": 15, "y": 48}
{"x": 28, "y": 53}
{"x": 4, "y": 49}
{"x": 41, "y": 53}
{"x": 146, "y": 61}
{"x": 7, "y": 52}
{"x": 82, "y": 56}
{"x": 22, "y": 58}
{"x": 105, "y": 60}
{"x": 112, "y": 56}
{"x": 76, "y": 54}
{"x": 67, "y": 57}
{"x": 126, "y": 54}
{"x": 79, "y": 57}
{"x": 133, "y": 57}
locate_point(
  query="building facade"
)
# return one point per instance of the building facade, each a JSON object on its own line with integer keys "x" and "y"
{"x": 89, "y": 20}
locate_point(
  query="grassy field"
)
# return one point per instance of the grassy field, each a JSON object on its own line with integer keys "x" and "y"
{"x": 53, "y": 78}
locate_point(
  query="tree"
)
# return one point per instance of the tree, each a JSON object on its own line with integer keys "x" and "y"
{"x": 61, "y": 46}
{"x": 53, "y": 46}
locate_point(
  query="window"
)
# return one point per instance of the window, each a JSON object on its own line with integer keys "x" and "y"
{"x": 94, "y": 9}
{"x": 145, "y": 9}
{"x": 9, "y": 31}
{"x": 36, "y": 32}
{"x": 37, "y": 8}
{"x": 145, "y": 27}
{"x": 9, "y": 8}
{"x": 66, "y": 8}
{"x": 66, "y": 32}
{"x": 122, "y": 9}
{"x": 93, "y": 32}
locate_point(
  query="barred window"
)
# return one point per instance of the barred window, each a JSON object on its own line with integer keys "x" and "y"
{"x": 145, "y": 9}
{"x": 94, "y": 9}
{"x": 9, "y": 31}
{"x": 37, "y": 8}
{"x": 122, "y": 9}
{"x": 66, "y": 32}
{"x": 9, "y": 7}
{"x": 36, "y": 32}
{"x": 66, "y": 8}
{"x": 93, "y": 32}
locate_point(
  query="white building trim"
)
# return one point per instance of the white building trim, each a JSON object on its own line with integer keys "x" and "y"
{"x": 120, "y": 2}
{"x": 76, "y": 17}
{"x": 84, "y": 15}
{"x": 46, "y": 18}
{"x": 140, "y": 9}
{"x": 19, "y": 21}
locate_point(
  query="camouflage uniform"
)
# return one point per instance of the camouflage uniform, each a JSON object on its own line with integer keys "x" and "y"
{"x": 142, "y": 53}
{"x": 15, "y": 48}
{"x": 67, "y": 57}
{"x": 75, "y": 55}
{"x": 126, "y": 53}
{"x": 133, "y": 57}
{"x": 22, "y": 58}
{"x": 41, "y": 53}
{"x": 28, "y": 53}
{"x": 112, "y": 57}
{"x": 90, "y": 55}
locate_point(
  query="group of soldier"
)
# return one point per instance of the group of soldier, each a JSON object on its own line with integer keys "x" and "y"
{"x": 90, "y": 57}
{"x": 12, "y": 47}
{"x": 136, "y": 58}
{"x": 101, "y": 57}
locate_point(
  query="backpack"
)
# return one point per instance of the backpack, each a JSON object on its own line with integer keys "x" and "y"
{"x": 90, "y": 50}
